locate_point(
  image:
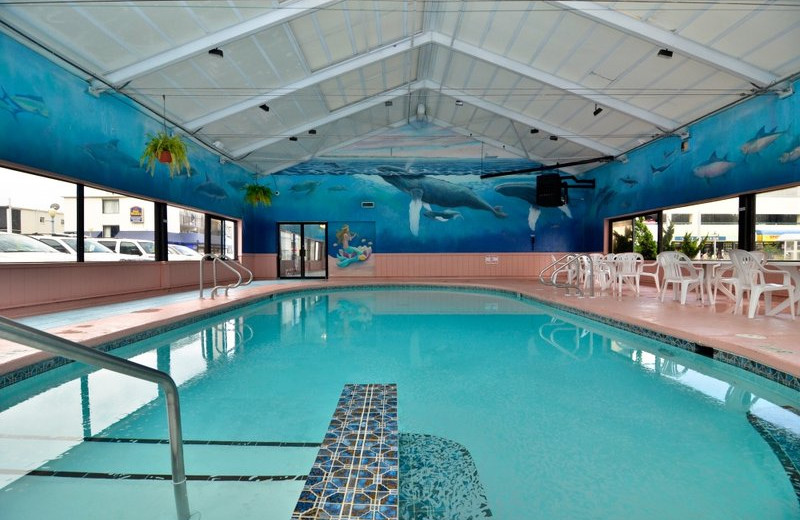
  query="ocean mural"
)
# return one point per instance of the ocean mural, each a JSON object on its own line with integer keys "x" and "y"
{"x": 419, "y": 186}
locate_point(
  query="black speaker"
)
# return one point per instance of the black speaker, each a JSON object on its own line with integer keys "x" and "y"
{"x": 550, "y": 192}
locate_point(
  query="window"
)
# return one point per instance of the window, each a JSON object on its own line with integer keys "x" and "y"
{"x": 778, "y": 224}
{"x": 110, "y": 206}
{"x": 719, "y": 218}
{"x": 680, "y": 218}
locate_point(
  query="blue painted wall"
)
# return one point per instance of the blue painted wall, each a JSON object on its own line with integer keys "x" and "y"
{"x": 50, "y": 121}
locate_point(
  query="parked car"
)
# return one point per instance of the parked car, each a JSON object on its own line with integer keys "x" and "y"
{"x": 180, "y": 253}
{"x": 144, "y": 249}
{"x": 93, "y": 251}
{"x": 22, "y": 248}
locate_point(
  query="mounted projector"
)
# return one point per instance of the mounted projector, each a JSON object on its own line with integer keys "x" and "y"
{"x": 551, "y": 188}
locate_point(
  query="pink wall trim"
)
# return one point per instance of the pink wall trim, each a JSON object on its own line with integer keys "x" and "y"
{"x": 35, "y": 288}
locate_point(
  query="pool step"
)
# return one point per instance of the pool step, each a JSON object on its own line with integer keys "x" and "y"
{"x": 355, "y": 474}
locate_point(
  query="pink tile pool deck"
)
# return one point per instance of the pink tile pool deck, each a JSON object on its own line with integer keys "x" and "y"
{"x": 773, "y": 341}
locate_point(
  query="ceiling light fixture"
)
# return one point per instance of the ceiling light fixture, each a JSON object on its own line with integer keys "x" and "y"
{"x": 293, "y": 138}
{"x": 597, "y": 110}
{"x": 312, "y": 132}
{"x": 459, "y": 103}
{"x": 534, "y": 130}
{"x": 554, "y": 138}
{"x": 387, "y": 103}
{"x": 264, "y": 107}
{"x": 664, "y": 53}
{"x": 216, "y": 51}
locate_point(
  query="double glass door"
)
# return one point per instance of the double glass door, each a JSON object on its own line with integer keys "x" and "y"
{"x": 302, "y": 250}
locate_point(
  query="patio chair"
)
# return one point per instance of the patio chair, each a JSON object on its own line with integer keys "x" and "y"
{"x": 751, "y": 278}
{"x": 725, "y": 279}
{"x": 627, "y": 269}
{"x": 655, "y": 275}
{"x": 682, "y": 274}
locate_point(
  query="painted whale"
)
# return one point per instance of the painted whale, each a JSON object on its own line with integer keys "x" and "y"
{"x": 527, "y": 192}
{"x": 423, "y": 189}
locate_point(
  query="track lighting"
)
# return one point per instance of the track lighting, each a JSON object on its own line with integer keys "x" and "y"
{"x": 534, "y": 130}
{"x": 216, "y": 51}
{"x": 597, "y": 110}
{"x": 554, "y": 138}
{"x": 293, "y": 138}
{"x": 264, "y": 107}
{"x": 459, "y": 103}
{"x": 312, "y": 132}
{"x": 664, "y": 53}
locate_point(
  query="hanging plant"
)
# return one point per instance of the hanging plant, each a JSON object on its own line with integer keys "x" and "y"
{"x": 166, "y": 149}
{"x": 255, "y": 194}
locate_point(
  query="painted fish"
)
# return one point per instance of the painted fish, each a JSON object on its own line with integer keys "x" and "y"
{"x": 337, "y": 188}
{"x": 23, "y": 103}
{"x": 660, "y": 169}
{"x": 761, "y": 140}
{"x": 713, "y": 167}
{"x": 793, "y": 154}
{"x": 630, "y": 181}
{"x": 108, "y": 153}
{"x": 211, "y": 190}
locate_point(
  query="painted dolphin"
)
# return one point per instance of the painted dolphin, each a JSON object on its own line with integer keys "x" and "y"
{"x": 713, "y": 167}
{"x": 630, "y": 181}
{"x": 761, "y": 140}
{"x": 23, "y": 103}
{"x": 108, "y": 153}
{"x": 527, "y": 192}
{"x": 442, "y": 216}
{"x": 211, "y": 190}
{"x": 792, "y": 154}
{"x": 424, "y": 189}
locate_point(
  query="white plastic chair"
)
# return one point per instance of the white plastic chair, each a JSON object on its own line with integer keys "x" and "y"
{"x": 725, "y": 279}
{"x": 682, "y": 274}
{"x": 655, "y": 275}
{"x": 627, "y": 269}
{"x": 751, "y": 278}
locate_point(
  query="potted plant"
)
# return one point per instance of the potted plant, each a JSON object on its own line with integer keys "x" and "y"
{"x": 170, "y": 150}
{"x": 256, "y": 194}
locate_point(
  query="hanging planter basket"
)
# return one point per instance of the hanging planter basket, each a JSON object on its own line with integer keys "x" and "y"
{"x": 167, "y": 149}
{"x": 256, "y": 194}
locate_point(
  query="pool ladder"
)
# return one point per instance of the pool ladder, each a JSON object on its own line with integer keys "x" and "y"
{"x": 577, "y": 267}
{"x": 25, "y": 335}
{"x": 231, "y": 265}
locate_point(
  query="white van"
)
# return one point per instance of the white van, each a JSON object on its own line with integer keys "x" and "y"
{"x": 144, "y": 249}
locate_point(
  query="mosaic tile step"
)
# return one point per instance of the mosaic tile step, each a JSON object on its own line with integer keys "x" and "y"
{"x": 784, "y": 443}
{"x": 355, "y": 475}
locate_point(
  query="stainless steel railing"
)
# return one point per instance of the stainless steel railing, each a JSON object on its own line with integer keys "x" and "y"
{"x": 228, "y": 264}
{"x": 578, "y": 267}
{"x": 38, "y": 339}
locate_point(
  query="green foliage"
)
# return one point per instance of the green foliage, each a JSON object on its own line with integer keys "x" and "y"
{"x": 691, "y": 246}
{"x": 668, "y": 236}
{"x": 255, "y": 194}
{"x": 161, "y": 142}
{"x": 644, "y": 243}
{"x": 622, "y": 243}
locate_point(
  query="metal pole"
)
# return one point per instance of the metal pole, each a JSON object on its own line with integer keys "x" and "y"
{"x": 29, "y": 336}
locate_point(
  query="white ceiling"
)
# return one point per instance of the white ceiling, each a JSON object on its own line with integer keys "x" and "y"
{"x": 351, "y": 69}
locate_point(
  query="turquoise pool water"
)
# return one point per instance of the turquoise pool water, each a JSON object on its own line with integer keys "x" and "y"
{"x": 561, "y": 417}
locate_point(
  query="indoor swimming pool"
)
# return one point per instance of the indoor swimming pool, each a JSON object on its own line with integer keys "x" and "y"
{"x": 506, "y": 408}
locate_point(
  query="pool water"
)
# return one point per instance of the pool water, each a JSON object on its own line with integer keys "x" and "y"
{"x": 554, "y": 416}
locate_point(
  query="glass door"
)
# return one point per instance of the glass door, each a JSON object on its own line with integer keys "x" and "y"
{"x": 302, "y": 250}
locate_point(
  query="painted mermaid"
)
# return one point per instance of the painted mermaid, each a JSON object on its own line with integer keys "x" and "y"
{"x": 349, "y": 254}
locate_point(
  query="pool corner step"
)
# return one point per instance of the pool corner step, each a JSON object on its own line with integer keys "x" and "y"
{"x": 355, "y": 474}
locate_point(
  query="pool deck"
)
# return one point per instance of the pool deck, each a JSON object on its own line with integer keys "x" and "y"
{"x": 773, "y": 341}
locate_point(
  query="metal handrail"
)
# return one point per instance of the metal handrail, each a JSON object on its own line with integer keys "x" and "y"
{"x": 38, "y": 339}
{"x": 563, "y": 264}
{"x": 228, "y": 265}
